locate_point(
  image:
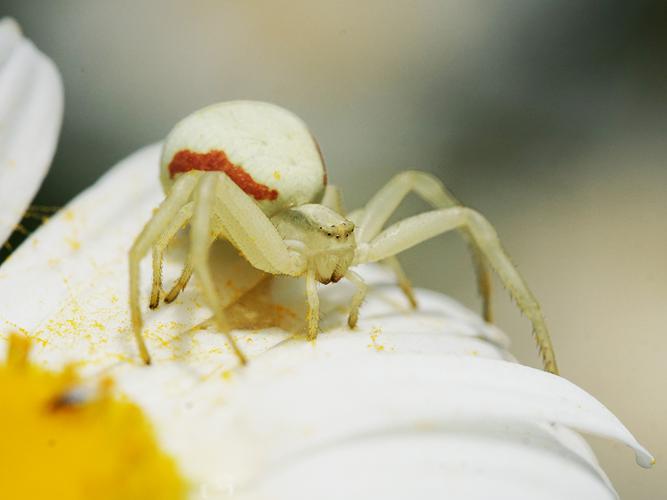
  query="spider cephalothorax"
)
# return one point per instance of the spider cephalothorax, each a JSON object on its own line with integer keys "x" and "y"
{"x": 324, "y": 237}
{"x": 252, "y": 173}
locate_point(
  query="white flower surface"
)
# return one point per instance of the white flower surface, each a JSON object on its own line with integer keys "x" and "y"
{"x": 31, "y": 108}
{"x": 411, "y": 404}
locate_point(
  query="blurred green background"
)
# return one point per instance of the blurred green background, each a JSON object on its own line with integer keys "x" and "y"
{"x": 548, "y": 117}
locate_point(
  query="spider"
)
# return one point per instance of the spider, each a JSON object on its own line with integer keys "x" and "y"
{"x": 252, "y": 173}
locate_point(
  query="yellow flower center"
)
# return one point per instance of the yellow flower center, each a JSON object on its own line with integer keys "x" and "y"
{"x": 59, "y": 442}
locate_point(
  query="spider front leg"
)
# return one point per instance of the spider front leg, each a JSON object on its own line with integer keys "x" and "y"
{"x": 181, "y": 218}
{"x": 175, "y": 200}
{"x": 414, "y": 230}
{"x": 313, "y": 304}
{"x": 181, "y": 282}
{"x": 384, "y": 203}
{"x": 358, "y": 297}
{"x": 201, "y": 237}
{"x": 223, "y": 209}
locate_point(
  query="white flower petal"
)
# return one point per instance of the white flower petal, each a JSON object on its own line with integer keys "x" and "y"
{"x": 477, "y": 462}
{"x": 420, "y": 403}
{"x": 297, "y": 404}
{"x": 31, "y": 107}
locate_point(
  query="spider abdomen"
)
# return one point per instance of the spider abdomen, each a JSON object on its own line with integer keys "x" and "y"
{"x": 266, "y": 150}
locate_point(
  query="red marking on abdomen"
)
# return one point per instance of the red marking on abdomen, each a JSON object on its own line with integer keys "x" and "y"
{"x": 217, "y": 161}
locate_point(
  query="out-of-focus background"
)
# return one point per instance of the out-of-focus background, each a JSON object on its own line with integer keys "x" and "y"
{"x": 548, "y": 117}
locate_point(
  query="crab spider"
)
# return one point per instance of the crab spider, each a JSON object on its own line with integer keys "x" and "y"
{"x": 252, "y": 173}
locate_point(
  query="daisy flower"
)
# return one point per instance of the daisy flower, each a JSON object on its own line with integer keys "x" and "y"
{"x": 425, "y": 403}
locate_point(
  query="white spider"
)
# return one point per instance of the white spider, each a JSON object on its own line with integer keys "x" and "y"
{"x": 252, "y": 173}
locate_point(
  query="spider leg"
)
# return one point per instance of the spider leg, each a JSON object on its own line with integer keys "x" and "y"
{"x": 254, "y": 235}
{"x": 412, "y": 231}
{"x": 358, "y": 297}
{"x": 313, "y": 299}
{"x": 181, "y": 218}
{"x": 156, "y": 286}
{"x": 383, "y": 204}
{"x": 181, "y": 282}
{"x": 252, "y": 232}
{"x": 402, "y": 279}
{"x": 394, "y": 264}
{"x": 177, "y": 197}
{"x": 200, "y": 242}
{"x": 333, "y": 199}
